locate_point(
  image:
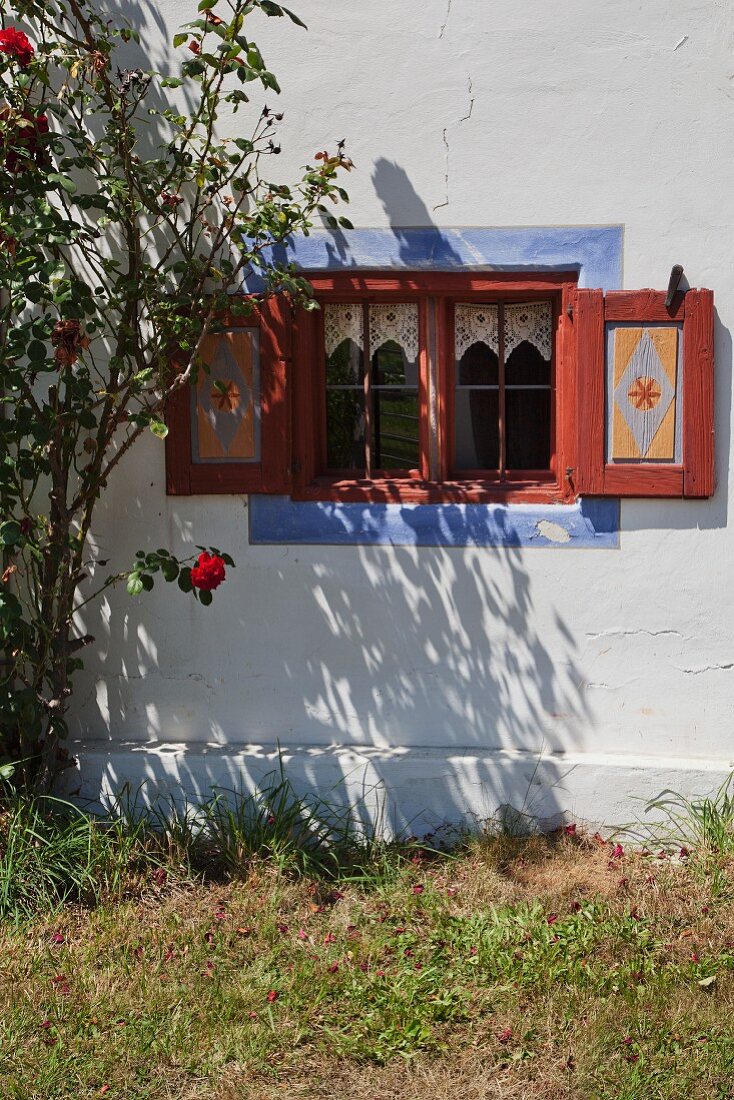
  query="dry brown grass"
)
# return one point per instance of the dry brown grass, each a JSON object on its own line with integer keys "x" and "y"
{"x": 167, "y": 991}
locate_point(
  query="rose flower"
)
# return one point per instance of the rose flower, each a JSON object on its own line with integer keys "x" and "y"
{"x": 208, "y": 573}
{"x": 16, "y": 45}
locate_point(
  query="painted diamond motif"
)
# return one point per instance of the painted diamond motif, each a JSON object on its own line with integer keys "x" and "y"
{"x": 225, "y": 416}
{"x": 644, "y": 393}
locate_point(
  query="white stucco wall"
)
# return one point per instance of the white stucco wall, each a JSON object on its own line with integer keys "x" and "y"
{"x": 570, "y": 680}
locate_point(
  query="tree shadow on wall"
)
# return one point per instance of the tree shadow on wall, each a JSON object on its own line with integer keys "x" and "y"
{"x": 412, "y": 682}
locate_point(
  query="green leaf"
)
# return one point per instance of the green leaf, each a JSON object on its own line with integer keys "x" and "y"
{"x": 147, "y": 582}
{"x": 7, "y": 771}
{"x": 184, "y": 579}
{"x": 36, "y": 351}
{"x": 63, "y": 181}
{"x": 269, "y": 81}
{"x": 134, "y": 584}
{"x": 169, "y": 569}
{"x": 34, "y": 292}
{"x": 179, "y": 39}
{"x": 159, "y": 428}
{"x": 207, "y": 5}
{"x": 294, "y": 18}
{"x": 10, "y": 532}
{"x": 205, "y": 597}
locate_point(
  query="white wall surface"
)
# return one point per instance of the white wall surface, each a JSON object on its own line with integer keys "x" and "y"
{"x": 447, "y": 674}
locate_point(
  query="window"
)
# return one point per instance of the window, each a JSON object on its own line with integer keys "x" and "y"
{"x": 457, "y": 387}
{"x": 432, "y": 387}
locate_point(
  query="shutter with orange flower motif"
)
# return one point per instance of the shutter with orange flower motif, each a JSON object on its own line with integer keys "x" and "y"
{"x": 644, "y": 394}
{"x": 228, "y": 432}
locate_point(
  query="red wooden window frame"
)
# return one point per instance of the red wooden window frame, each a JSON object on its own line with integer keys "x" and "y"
{"x": 272, "y": 474}
{"x": 694, "y": 475}
{"x": 435, "y": 292}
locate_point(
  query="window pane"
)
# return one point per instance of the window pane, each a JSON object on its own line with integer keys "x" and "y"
{"x": 344, "y": 342}
{"x": 389, "y": 367}
{"x": 478, "y": 366}
{"x": 528, "y": 417}
{"x": 345, "y": 365}
{"x": 476, "y": 343}
{"x": 394, "y": 344}
{"x": 477, "y": 429}
{"x": 345, "y": 427}
{"x": 394, "y": 429}
{"x": 526, "y": 366}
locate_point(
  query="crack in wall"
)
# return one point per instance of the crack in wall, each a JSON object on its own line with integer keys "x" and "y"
{"x": 617, "y": 633}
{"x": 470, "y": 89}
{"x": 445, "y": 137}
{"x": 706, "y": 668}
{"x": 446, "y": 171}
{"x": 445, "y": 19}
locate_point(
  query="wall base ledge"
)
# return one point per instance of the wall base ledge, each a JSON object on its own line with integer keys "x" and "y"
{"x": 411, "y": 789}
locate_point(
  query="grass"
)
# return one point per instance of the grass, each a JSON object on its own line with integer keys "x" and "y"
{"x": 236, "y": 956}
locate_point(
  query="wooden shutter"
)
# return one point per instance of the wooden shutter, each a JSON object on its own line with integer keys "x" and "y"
{"x": 234, "y": 437}
{"x": 645, "y": 423}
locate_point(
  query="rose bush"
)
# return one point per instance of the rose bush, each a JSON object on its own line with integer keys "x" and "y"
{"x": 126, "y": 222}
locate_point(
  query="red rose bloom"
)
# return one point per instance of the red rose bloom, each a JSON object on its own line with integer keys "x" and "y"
{"x": 208, "y": 573}
{"x": 16, "y": 44}
{"x": 22, "y": 142}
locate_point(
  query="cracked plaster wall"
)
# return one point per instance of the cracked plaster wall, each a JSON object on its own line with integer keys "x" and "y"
{"x": 460, "y": 112}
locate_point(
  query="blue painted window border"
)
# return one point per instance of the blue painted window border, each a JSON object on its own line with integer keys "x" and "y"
{"x": 595, "y": 252}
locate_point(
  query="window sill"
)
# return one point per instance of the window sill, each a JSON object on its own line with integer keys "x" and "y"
{"x": 414, "y": 491}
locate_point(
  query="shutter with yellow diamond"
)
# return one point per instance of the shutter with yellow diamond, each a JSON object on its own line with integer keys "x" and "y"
{"x": 228, "y": 431}
{"x": 645, "y": 394}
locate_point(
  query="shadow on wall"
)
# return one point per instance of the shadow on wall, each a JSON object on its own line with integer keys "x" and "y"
{"x": 414, "y": 684}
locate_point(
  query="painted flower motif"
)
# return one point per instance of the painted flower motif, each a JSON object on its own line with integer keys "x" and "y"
{"x": 644, "y": 394}
{"x": 208, "y": 573}
{"x": 17, "y": 46}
